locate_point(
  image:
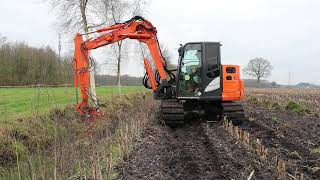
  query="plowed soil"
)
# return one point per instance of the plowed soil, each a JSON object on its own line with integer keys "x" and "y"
{"x": 289, "y": 136}
{"x": 199, "y": 150}
{"x": 194, "y": 151}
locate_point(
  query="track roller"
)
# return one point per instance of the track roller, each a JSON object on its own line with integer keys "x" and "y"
{"x": 172, "y": 112}
{"x": 234, "y": 112}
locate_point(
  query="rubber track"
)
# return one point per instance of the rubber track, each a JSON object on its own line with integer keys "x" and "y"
{"x": 172, "y": 112}
{"x": 234, "y": 112}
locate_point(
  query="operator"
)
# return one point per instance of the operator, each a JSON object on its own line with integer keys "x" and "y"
{"x": 193, "y": 79}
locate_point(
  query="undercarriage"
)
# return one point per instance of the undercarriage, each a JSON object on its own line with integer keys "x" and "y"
{"x": 176, "y": 113}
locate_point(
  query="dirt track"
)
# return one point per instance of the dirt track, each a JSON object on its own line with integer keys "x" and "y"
{"x": 194, "y": 151}
{"x": 201, "y": 151}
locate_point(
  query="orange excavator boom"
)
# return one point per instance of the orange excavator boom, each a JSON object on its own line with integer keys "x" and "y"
{"x": 136, "y": 28}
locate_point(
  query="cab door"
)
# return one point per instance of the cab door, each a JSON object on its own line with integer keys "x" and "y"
{"x": 190, "y": 71}
{"x": 211, "y": 71}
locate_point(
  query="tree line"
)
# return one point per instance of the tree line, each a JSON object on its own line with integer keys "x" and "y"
{"x": 23, "y": 65}
{"x": 109, "y": 80}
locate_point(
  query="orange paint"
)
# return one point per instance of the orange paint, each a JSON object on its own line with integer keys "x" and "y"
{"x": 81, "y": 73}
{"x": 233, "y": 86}
{"x": 139, "y": 29}
{"x": 152, "y": 80}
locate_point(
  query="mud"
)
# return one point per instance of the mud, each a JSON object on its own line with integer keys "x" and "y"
{"x": 195, "y": 151}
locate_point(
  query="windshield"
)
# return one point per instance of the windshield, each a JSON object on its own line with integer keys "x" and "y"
{"x": 190, "y": 70}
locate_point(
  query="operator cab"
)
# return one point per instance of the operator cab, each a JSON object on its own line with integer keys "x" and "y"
{"x": 205, "y": 88}
{"x": 198, "y": 76}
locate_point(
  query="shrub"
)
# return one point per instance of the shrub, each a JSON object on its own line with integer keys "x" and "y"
{"x": 293, "y": 106}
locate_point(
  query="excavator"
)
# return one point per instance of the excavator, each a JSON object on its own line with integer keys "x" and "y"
{"x": 199, "y": 87}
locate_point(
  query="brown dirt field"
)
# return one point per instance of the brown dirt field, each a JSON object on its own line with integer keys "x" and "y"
{"x": 194, "y": 151}
{"x": 288, "y": 135}
{"x": 199, "y": 150}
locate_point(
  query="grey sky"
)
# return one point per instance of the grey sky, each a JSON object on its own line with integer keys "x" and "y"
{"x": 284, "y": 31}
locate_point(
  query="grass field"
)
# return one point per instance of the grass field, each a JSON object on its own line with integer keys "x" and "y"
{"x": 23, "y": 102}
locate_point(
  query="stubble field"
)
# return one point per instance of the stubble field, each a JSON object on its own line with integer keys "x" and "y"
{"x": 283, "y": 128}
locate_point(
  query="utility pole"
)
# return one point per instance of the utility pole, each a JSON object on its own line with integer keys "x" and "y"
{"x": 59, "y": 48}
{"x": 289, "y": 79}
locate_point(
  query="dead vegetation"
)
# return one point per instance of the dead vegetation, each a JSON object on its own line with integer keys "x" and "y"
{"x": 69, "y": 150}
{"x": 276, "y": 163}
{"x": 299, "y": 100}
{"x": 282, "y": 120}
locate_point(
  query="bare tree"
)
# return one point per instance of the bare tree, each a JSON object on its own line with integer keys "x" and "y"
{"x": 74, "y": 15}
{"x": 167, "y": 56}
{"x": 77, "y": 15}
{"x": 121, "y": 10}
{"x": 165, "y": 52}
{"x": 258, "y": 68}
{"x": 3, "y": 40}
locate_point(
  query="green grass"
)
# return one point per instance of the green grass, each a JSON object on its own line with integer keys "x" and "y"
{"x": 316, "y": 151}
{"x": 293, "y": 106}
{"x": 24, "y": 102}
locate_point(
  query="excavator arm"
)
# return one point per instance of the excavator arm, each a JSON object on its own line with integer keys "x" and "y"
{"x": 136, "y": 28}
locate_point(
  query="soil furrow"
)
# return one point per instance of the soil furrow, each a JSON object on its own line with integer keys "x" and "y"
{"x": 284, "y": 134}
{"x": 194, "y": 151}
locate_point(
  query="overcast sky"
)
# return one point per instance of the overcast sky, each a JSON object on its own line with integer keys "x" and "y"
{"x": 286, "y": 32}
